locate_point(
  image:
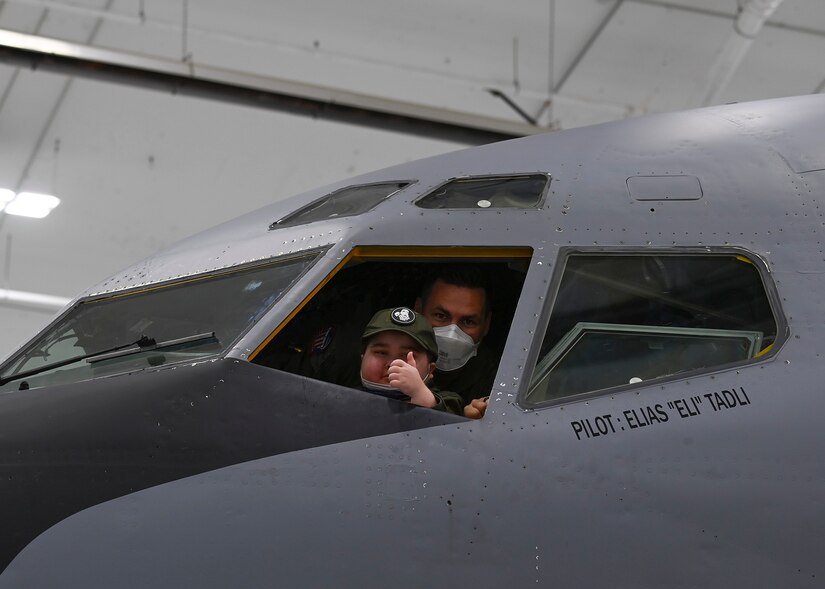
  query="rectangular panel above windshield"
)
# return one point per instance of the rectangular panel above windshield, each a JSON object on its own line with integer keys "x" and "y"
{"x": 186, "y": 320}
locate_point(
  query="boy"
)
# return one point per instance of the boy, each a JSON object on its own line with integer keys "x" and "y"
{"x": 398, "y": 360}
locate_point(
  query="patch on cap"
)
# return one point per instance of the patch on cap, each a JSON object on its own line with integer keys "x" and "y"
{"x": 403, "y": 316}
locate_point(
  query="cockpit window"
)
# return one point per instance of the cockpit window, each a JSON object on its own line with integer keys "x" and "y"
{"x": 323, "y": 339}
{"x": 181, "y": 321}
{"x": 513, "y": 192}
{"x": 625, "y": 319}
{"x": 341, "y": 203}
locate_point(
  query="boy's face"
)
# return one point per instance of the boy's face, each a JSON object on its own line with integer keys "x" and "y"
{"x": 387, "y": 346}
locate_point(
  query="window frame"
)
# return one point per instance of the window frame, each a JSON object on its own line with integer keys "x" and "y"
{"x": 369, "y": 253}
{"x": 565, "y": 253}
{"x": 313, "y": 255}
{"x": 539, "y": 205}
{"x": 285, "y": 221}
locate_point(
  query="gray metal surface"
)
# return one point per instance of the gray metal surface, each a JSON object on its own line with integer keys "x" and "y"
{"x": 728, "y": 497}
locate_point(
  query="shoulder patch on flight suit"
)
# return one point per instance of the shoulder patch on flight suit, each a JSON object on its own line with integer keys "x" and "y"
{"x": 322, "y": 340}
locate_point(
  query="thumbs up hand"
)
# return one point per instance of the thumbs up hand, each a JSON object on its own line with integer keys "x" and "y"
{"x": 404, "y": 376}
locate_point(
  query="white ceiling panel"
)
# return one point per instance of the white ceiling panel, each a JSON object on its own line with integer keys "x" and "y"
{"x": 31, "y": 97}
{"x": 651, "y": 57}
{"x": 21, "y": 16}
{"x": 780, "y": 63}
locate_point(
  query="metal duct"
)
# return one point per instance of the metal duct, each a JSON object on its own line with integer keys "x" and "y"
{"x": 753, "y": 14}
{"x": 32, "y": 300}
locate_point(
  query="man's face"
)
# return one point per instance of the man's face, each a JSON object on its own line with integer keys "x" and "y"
{"x": 448, "y": 303}
{"x": 387, "y": 346}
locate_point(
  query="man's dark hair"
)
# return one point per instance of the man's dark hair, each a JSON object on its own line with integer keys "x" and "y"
{"x": 463, "y": 275}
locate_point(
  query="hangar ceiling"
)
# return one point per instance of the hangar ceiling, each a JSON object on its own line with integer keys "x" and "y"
{"x": 139, "y": 161}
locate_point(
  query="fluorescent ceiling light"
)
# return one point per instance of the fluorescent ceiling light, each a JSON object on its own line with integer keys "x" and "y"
{"x": 6, "y": 196}
{"x": 31, "y": 204}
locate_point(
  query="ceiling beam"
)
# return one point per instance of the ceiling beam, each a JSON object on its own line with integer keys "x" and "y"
{"x": 290, "y": 96}
{"x": 729, "y": 15}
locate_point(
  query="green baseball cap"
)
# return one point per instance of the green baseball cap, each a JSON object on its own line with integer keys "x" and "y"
{"x": 407, "y": 321}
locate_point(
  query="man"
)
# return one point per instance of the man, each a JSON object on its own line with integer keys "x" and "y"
{"x": 455, "y": 302}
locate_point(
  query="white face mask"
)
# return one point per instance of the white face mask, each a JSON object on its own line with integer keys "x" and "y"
{"x": 383, "y": 389}
{"x": 380, "y": 386}
{"x": 455, "y": 348}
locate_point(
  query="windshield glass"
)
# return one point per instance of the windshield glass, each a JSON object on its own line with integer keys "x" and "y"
{"x": 186, "y": 320}
{"x": 621, "y": 319}
{"x": 342, "y": 203}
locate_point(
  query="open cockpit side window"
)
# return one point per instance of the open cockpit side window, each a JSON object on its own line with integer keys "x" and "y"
{"x": 630, "y": 318}
{"x": 323, "y": 339}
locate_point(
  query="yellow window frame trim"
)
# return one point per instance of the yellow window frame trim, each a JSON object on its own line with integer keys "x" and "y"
{"x": 423, "y": 253}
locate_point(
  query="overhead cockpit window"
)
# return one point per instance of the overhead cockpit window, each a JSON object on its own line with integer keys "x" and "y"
{"x": 497, "y": 192}
{"x": 626, "y": 319}
{"x": 342, "y": 203}
{"x": 182, "y": 321}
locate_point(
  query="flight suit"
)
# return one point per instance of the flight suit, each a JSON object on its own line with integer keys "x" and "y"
{"x": 473, "y": 380}
{"x": 445, "y": 400}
